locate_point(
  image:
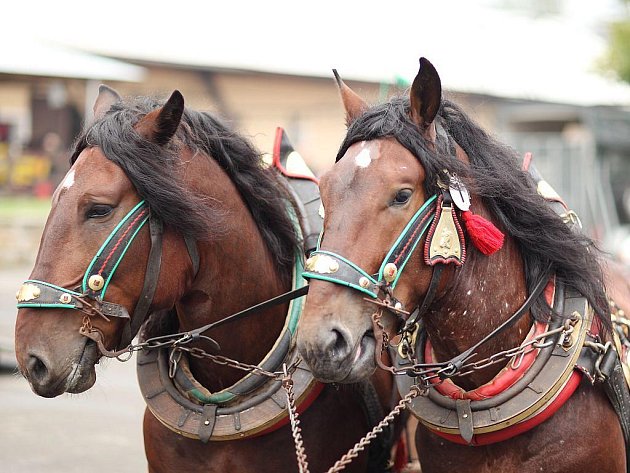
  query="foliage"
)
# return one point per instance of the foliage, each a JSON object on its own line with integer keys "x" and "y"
{"x": 618, "y": 57}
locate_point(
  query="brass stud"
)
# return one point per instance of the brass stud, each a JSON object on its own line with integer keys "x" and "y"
{"x": 398, "y": 306}
{"x": 96, "y": 282}
{"x": 389, "y": 272}
{"x": 28, "y": 292}
{"x": 65, "y": 298}
{"x": 364, "y": 282}
{"x": 309, "y": 263}
{"x": 333, "y": 266}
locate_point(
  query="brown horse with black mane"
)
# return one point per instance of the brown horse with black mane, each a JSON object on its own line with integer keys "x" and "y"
{"x": 465, "y": 300}
{"x": 166, "y": 211}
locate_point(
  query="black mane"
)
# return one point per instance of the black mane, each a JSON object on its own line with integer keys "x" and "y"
{"x": 155, "y": 172}
{"x": 507, "y": 191}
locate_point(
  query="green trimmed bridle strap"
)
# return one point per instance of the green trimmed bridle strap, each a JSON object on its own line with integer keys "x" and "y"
{"x": 332, "y": 267}
{"x": 44, "y": 295}
{"x": 112, "y": 251}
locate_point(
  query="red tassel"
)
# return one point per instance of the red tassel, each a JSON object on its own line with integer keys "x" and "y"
{"x": 484, "y": 235}
{"x": 401, "y": 457}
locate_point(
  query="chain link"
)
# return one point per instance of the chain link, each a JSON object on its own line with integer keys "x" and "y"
{"x": 388, "y": 419}
{"x": 296, "y": 431}
{"x": 428, "y": 372}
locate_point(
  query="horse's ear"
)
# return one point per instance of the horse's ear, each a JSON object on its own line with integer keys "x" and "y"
{"x": 353, "y": 104}
{"x": 160, "y": 125}
{"x": 106, "y": 98}
{"x": 425, "y": 95}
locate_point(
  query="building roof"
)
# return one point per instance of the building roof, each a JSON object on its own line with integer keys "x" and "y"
{"x": 30, "y": 56}
{"x": 476, "y": 48}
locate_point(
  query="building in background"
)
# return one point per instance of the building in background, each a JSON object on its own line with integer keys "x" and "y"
{"x": 583, "y": 150}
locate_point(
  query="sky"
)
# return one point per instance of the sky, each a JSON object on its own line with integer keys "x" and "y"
{"x": 508, "y": 51}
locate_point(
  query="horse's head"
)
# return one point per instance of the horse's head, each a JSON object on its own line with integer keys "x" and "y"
{"x": 370, "y": 195}
{"x": 92, "y": 260}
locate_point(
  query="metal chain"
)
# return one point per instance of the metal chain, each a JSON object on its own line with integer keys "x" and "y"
{"x": 365, "y": 441}
{"x": 427, "y": 372}
{"x": 296, "y": 431}
{"x": 225, "y": 361}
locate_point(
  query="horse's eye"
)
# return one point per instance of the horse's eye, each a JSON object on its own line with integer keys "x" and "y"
{"x": 98, "y": 210}
{"x": 402, "y": 197}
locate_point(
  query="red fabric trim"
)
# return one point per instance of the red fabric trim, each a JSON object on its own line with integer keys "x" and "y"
{"x": 522, "y": 427}
{"x": 503, "y": 380}
{"x": 506, "y": 377}
{"x": 120, "y": 239}
{"x": 276, "y": 159}
{"x": 527, "y": 160}
{"x": 305, "y": 404}
{"x": 411, "y": 239}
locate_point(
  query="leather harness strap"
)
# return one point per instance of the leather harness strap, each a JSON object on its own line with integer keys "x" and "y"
{"x": 100, "y": 271}
{"x": 151, "y": 277}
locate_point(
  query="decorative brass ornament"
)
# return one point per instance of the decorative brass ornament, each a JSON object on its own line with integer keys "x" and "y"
{"x": 445, "y": 242}
{"x": 364, "y": 282}
{"x": 322, "y": 264}
{"x": 28, "y": 292}
{"x": 65, "y": 298}
{"x": 389, "y": 272}
{"x": 96, "y": 282}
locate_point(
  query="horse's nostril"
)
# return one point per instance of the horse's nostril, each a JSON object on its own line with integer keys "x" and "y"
{"x": 340, "y": 345}
{"x": 37, "y": 369}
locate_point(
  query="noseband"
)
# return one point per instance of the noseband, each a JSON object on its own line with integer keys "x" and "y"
{"x": 38, "y": 294}
{"x": 332, "y": 267}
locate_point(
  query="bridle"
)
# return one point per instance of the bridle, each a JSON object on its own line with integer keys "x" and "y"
{"x": 435, "y": 215}
{"x": 37, "y": 294}
{"x": 332, "y": 267}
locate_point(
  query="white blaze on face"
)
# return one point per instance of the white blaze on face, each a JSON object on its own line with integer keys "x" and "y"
{"x": 364, "y": 158}
{"x": 68, "y": 181}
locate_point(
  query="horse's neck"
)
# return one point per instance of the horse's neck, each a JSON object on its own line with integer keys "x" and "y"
{"x": 479, "y": 296}
{"x": 237, "y": 271}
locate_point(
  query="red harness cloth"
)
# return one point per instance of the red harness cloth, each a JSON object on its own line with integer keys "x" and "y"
{"x": 502, "y": 381}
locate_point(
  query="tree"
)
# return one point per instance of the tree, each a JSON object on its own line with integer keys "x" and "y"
{"x": 617, "y": 59}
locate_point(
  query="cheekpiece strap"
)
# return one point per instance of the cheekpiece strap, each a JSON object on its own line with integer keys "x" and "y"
{"x": 328, "y": 266}
{"x": 103, "y": 266}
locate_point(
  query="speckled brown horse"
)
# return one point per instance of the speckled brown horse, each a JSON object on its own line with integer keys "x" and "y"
{"x": 395, "y": 158}
{"x": 205, "y": 183}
